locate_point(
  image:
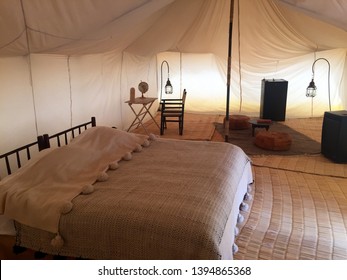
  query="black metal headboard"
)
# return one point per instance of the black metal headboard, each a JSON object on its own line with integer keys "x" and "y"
{"x": 17, "y": 156}
{"x": 68, "y": 133}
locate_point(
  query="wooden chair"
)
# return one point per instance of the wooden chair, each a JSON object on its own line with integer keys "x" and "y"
{"x": 172, "y": 110}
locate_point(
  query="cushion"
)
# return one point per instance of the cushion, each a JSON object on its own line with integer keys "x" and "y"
{"x": 272, "y": 140}
{"x": 239, "y": 122}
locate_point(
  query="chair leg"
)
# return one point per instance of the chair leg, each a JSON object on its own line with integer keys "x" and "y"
{"x": 181, "y": 125}
{"x": 162, "y": 124}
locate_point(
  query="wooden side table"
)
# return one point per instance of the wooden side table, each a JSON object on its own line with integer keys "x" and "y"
{"x": 258, "y": 124}
{"x": 146, "y": 103}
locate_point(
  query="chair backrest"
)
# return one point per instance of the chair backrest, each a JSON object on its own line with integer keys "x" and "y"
{"x": 184, "y": 96}
{"x": 174, "y": 105}
{"x": 172, "y": 111}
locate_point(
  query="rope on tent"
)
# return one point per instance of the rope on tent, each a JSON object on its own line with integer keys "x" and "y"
{"x": 239, "y": 53}
{"x": 120, "y": 90}
{"x": 33, "y": 93}
{"x": 70, "y": 88}
{"x": 30, "y": 68}
{"x": 12, "y": 41}
{"x": 181, "y": 75}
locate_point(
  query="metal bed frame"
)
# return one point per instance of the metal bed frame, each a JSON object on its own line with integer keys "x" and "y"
{"x": 43, "y": 142}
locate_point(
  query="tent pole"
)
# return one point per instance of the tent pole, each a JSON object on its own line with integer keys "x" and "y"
{"x": 226, "y": 120}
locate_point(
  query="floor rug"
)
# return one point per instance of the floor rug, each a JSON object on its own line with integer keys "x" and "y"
{"x": 301, "y": 144}
{"x": 196, "y": 127}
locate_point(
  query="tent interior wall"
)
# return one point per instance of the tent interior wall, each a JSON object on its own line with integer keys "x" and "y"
{"x": 62, "y": 62}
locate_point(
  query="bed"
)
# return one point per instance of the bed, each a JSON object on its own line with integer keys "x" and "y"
{"x": 110, "y": 194}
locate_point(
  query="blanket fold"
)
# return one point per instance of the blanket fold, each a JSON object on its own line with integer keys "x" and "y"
{"x": 43, "y": 189}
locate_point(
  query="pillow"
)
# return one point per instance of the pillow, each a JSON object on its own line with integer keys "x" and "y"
{"x": 102, "y": 137}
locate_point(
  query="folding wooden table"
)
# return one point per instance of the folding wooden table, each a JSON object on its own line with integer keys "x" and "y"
{"x": 146, "y": 103}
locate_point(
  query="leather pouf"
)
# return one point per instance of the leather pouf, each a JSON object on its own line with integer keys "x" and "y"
{"x": 272, "y": 140}
{"x": 239, "y": 122}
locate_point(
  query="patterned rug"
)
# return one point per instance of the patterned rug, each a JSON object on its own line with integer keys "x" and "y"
{"x": 196, "y": 127}
{"x": 301, "y": 144}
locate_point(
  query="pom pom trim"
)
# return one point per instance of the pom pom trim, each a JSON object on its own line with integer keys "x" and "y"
{"x": 235, "y": 248}
{"x": 138, "y": 148}
{"x": 87, "y": 189}
{"x": 152, "y": 137}
{"x": 66, "y": 208}
{"x": 102, "y": 177}
{"x": 244, "y": 206}
{"x": 127, "y": 156}
{"x": 146, "y": 143}
{"x": 113, "y": 165}
{"x": 57, "y": 241}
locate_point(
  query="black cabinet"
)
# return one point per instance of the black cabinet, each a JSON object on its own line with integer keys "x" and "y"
{"x": 334, "y": 136}
{"x": 273, "y": 99}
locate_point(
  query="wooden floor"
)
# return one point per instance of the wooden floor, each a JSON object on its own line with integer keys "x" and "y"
{"x": 299, "y": 205}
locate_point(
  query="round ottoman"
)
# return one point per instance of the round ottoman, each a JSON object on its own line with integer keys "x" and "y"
{"x": 239, "y": 122}
{"x": 272, "y": 140}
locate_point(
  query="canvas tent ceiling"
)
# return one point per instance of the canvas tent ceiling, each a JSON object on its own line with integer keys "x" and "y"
{"x": 332, "y": 12}
{"x": 70, "y": 59}
{"x": 74, "y": 27}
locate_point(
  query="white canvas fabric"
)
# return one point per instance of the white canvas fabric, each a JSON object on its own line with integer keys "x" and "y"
{"x": 70, "y": 60}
